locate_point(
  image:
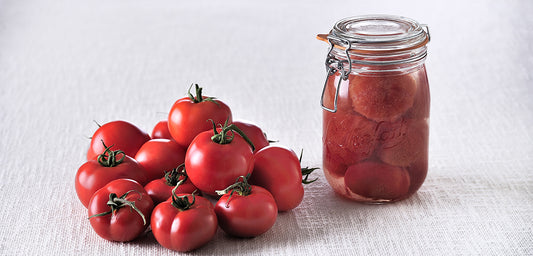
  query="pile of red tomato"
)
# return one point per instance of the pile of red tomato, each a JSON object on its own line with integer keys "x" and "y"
{"x": 168, "y": 181}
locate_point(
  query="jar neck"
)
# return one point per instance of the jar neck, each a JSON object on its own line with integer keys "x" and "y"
{"x": 383, "y": 62}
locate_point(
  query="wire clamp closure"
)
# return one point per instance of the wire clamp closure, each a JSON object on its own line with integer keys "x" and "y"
{"x": 334, "y": 65}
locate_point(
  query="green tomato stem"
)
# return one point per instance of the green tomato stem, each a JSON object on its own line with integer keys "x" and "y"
{"x": 116, "y": 203}
{"x": 243, "y": 188}
{"x": 108, "y": 158}
{"x": 222, "y": 137}
{"x": 182, "y": 203}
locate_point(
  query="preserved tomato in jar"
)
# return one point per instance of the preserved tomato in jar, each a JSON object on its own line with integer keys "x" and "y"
{"x": 375, "y": 105}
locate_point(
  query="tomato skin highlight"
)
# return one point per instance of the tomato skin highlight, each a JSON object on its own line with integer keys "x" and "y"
{"x": 158, "y": 156}
{"x": 121, "y": 135}
{"x": 278, "y": 170}
{"x": 161, "y": 131}
{"x": 92, "y": 176}
{"x": 125, "y": 224}
{"x": 187, "y": 119}
{"x": 254, "y": 133}
{"x": 212, "y": 166}
{"x": 184, "y": 230}
{"x": 247, "y": 216}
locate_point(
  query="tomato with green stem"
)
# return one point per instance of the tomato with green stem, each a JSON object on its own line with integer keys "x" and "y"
{"x": 184, "y": 222}
{"x": 161, "y": 189}
{"x": 278, "y": 170}
{"x": 190, "y": 116}
{"x": 109, "y": 165}
{"x": 245, "y": 210}
{"x": 120, "y": 210}
{"x": 121, "y": 135}
{"x": 216, "y": 158}
{"x": 254, "y": 133}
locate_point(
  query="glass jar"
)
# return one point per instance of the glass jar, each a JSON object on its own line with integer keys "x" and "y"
{"x": 375, "y": 105}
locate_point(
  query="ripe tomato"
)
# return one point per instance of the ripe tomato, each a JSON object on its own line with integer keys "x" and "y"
{"x": 215, "y": 159}
{"x": 184, "y": 222}
{"x": 109, "y": 166}
{"x": 254, "y": 133}
{"x": 403, "y": 141}
{"x": 158, "y": 156}
{"x": 120, "y": 211}
{"x": 190, "y": 116}
{"x": 377, "y": 180}
{"x": 246, "y": 210}
{"x": 160, "y": 131}
{"x": 278, "y": 170}
{"x": 161, "y": 189}
{"x": 119, "y": 135}
{"x": 382, "y": 98}
{"x": 349, "y": 136}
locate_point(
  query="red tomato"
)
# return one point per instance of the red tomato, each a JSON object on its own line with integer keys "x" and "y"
{"x": 184, "y": 222}
{"x": 349, "y": 136}
{"x": 403, "y": 141}
{"x": 161, "y": 189}
{"x": 254, "y": 133}
{"x": 190, "y": 116}
{"x": 278, "y": 170}
{"x": 160, "y": 131}
{"x": 109, "y": 166}
{"x": 119, "y": 135}
{"x": 377, "y": 181}
{"x": 382, "y": 98}
{"x": 214, "y": 163}
{"x": 120, "y": 211}
{"x": 158, "y": 156}
{"x": 246, "y": 210}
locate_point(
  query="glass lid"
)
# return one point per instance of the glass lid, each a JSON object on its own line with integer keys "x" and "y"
{"x": 378, "y": 33}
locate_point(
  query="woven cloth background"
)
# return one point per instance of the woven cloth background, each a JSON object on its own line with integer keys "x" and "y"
{"x": 65, "y": 63}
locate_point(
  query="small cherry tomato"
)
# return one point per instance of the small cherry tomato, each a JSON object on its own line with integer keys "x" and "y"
{"x": 158, "y": 156}
{"x": 246, "y": 210}
{"x": 190, "y": 116}
{"x": 160, "y": 131}
{"x": 215, "y": 159}
{"x": 254, "y": 133}
{"x": 160, "y": 190}
{"x": 184, "y": 222}
{"x": 118, "y": 135}
{"x": 278, "y": 170}
{"x": 109, "y": 166}
{"x": 120, "y": 211}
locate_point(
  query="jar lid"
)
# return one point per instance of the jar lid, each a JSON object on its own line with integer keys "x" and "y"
{"x": 377, "y": 33}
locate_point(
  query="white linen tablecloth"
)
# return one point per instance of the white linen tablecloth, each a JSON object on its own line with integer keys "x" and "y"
{"x": 65, "y": 63}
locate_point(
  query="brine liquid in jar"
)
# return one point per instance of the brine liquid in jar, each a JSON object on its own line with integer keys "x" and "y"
{"x": 375, "y": 104}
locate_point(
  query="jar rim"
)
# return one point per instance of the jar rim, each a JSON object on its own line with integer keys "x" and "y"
{"x": 377, "y": 33}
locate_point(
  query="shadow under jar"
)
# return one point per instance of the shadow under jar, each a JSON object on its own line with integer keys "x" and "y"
{"x": 375, "y": 105}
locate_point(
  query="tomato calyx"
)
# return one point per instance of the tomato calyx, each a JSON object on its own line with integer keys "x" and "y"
{"x": 115, "y": 202}
{"x": 182, "y": 203}
{"x": 109, "y": 157}
{"x": 243, "y": 188}
{"x": 222, "y": 137}
{"x": 173, "y": 177}
{"x": 199, "y": 98}
{"x": 306, "y": 171}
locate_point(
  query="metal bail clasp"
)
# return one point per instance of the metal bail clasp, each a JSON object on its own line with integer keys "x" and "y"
{"x": 332, "y": 66}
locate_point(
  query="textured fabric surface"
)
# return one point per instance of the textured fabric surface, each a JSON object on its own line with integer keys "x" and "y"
{"x": 64, "y": 64}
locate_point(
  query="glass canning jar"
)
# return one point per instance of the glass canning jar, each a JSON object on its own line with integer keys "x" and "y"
{"x": 375, "y": 105}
